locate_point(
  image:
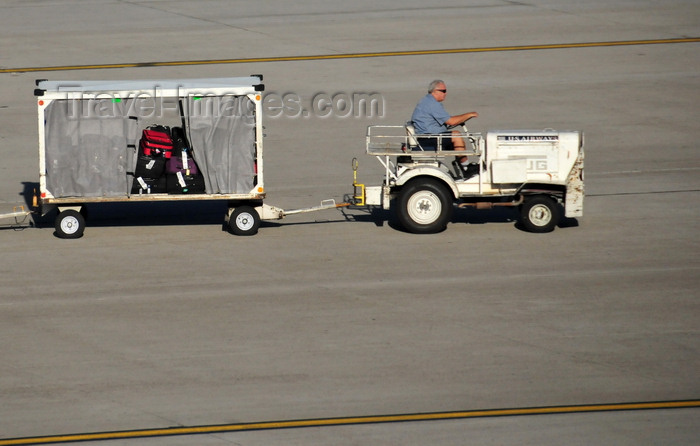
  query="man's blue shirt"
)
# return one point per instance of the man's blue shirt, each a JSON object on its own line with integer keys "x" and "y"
{"x": 429, "y": 116}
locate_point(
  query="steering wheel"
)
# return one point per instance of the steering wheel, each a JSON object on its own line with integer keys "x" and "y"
{"x": 463, "y": 125}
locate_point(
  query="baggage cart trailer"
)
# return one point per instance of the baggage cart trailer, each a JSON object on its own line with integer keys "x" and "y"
{"x": 91, "y": 147}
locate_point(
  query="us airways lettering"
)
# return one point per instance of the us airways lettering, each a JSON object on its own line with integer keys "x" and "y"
{"x": 528, "y": 138}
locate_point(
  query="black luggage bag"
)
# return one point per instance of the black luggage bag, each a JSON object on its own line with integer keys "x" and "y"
{"x": 149, "y": 185}
{"x": 180, "y": 183}
{"x": 149, "y": 167}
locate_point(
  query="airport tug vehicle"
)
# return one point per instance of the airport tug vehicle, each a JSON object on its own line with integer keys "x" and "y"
{"x": 135, "y": 141}
{"x": 538, "y": 171}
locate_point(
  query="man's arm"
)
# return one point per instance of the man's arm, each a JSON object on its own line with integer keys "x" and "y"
{"x": 458, "y": 119}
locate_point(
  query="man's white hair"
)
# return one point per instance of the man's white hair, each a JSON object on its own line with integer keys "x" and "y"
{"x": 433, "y": 85}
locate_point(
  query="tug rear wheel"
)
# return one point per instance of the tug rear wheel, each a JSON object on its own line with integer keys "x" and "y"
{"x": 539, "y": 214}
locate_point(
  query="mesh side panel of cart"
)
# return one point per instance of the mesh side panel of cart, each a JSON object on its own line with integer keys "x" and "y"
{"x": 222, "y": 135}
{"x": 86, "y": 148}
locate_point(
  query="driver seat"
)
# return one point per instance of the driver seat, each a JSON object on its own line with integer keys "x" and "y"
{"x": 411, "y": 140}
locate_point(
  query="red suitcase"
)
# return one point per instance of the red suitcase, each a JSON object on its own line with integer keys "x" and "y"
{"x": 156, "y": 141}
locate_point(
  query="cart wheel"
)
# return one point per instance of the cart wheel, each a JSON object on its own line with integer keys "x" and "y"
{"x": 244, "y": 220}
{"x": 70, "y": 224}
{"x": 539, "y": 214}
{"x": 424, "y": 207}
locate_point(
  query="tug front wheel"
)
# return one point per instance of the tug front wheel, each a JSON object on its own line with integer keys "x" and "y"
{"x": 424, "y": 206}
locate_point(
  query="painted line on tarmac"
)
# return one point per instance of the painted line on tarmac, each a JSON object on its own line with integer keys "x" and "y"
{"x": 642, "y": 171}
{"x": 619, "y": 194}
{"x": 352, "y": 55}
{"x": 324, "y": 422}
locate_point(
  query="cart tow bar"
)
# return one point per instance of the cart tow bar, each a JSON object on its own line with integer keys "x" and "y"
{"x": 268, "y": 212}
{"x": 325, "y": 204}
{"x": 18, "y": 212}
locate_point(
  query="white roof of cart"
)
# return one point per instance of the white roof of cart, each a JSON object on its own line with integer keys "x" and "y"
{"x": 250, "y": 83}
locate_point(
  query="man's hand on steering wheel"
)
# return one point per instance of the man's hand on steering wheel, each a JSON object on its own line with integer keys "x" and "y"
{"x": 458, "y": 120}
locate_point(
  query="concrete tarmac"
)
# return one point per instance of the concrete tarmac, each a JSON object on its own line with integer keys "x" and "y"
{"x": 157, "y": 318}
